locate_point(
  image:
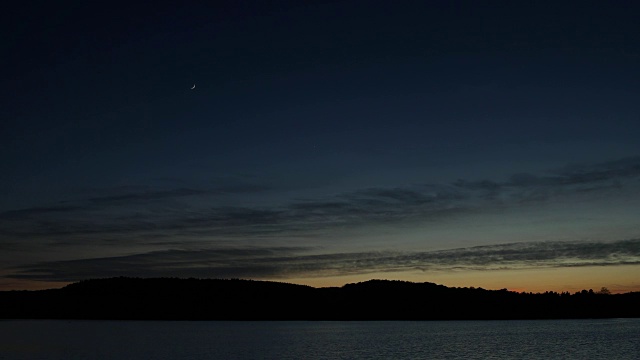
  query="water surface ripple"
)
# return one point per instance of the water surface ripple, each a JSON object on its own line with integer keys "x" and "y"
{"x": 527, "y": 339}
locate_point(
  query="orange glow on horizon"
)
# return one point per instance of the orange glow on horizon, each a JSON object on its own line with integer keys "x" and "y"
{"x": 617, "y": 279}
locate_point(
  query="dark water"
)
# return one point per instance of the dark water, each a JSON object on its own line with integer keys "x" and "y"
{"x": 555, "y": 339}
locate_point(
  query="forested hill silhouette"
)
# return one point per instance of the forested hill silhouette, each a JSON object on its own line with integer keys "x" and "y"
{"x": 210, "y": 299}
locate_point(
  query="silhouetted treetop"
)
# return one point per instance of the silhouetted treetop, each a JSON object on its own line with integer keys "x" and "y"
{"x": 235, "y": 299}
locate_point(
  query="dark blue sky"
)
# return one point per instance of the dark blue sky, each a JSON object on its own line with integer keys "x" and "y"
{"x": 320, "y": 130}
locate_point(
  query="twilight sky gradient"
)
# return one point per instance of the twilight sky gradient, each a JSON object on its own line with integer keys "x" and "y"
{"x": 469, "y": 143}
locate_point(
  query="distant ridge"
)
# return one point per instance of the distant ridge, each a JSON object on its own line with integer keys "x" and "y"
{"x": 216, "y": 299}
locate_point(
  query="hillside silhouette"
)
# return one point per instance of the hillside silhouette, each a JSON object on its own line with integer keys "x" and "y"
{"x": 215, "y": 299}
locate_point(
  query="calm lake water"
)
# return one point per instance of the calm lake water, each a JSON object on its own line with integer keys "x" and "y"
{"x": 554, "y": 339}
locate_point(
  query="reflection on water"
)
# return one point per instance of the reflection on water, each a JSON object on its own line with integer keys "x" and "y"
{"x": 556, "y": 339}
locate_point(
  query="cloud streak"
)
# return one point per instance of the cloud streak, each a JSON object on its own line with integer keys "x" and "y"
{"x": 192, "y": 211}
{"x": 570, "y": 179}
{"x": 289, "y": 262}
{"x": 145, "y": 196}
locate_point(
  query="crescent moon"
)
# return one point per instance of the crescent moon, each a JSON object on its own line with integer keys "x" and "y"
{"x": 193, "y": 87}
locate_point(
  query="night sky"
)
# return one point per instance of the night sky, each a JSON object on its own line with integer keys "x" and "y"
{"x": 491, "y": 144}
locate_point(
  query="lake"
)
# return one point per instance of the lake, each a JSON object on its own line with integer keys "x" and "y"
{"x": 527, "y": 339}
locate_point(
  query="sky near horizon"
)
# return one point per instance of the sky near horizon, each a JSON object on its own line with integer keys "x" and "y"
{"x": 468, "y": 143}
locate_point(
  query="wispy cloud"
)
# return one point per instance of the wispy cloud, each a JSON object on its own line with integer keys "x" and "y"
{"x": 569, "y": 179}
{"x": 131, "y": 197}
{"x": 588, "y": 173}
{"x": 152, "y": 212}
{"x": 36, "y": 211}
{"x": 287, "y": 262}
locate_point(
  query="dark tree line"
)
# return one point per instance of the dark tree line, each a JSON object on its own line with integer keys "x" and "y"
{"x": 212, "y": 299}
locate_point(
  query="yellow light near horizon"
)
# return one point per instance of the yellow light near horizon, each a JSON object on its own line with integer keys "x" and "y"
{"x": 618, "y": 279}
